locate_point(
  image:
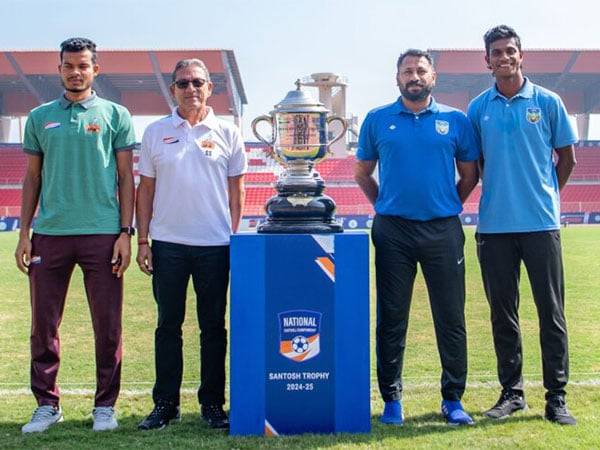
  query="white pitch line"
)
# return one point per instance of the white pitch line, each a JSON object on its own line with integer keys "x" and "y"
{"x": 143, "y": 392}
{"x": 481, "y": 377}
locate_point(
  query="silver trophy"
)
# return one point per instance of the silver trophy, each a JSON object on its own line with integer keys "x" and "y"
{"x": 300, "y": 139}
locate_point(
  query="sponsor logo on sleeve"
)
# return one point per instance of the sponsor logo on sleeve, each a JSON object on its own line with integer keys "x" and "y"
{"x": 170, "y": 140}
{"x": 50, "y": 125}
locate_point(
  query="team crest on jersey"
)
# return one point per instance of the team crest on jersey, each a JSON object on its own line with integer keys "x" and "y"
{"x": 93, "y": 127}
{"x": 50, "y": 125}
{"x": 442, "y": 126}
{"x": 207, "y": 144}
{"x": 170, "y": 140}
{"x": 534, "y": 115}
{"x": 299, "y": 332}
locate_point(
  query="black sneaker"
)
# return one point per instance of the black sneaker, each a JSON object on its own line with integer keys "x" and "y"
{"x": 161, "y": 415}
{"x": 508, "y": 403}
{"x": 215, "y": 416}
{"x": 557, "y": 412}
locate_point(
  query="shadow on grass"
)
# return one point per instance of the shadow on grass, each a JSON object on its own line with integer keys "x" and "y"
{"x": 192, "y": 432}
{"x": 433, "y": 423}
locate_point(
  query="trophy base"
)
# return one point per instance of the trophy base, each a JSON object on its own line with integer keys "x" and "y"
{"x": 298, "y": 227}
{"x": 301, "y": 207}
{"x": 300, "y": 213}
{"x": 309, "y": 183}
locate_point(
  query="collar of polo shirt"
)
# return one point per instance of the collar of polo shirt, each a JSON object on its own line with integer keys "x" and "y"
{"x": 526, "y": 91}
{"x": 399, "y": 108}
{"x": 86, "y": 104}
{"x": 210, "y": 121}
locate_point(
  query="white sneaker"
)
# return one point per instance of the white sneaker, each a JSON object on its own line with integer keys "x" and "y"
{"x": 42, "y": 418}
{"x": 104, "y": 418}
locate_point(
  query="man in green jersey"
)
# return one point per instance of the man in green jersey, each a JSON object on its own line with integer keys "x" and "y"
{"x": 79, "y": 157}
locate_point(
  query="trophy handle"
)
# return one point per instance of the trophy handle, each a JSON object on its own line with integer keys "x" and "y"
{"x": 344, "y": 128}
{"x": 269, "y": 119}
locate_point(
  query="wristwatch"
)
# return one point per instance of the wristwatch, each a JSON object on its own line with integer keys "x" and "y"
{"x": 129, "y": 231}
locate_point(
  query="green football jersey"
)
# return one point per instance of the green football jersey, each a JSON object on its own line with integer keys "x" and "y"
{"x": 78, "y": 143}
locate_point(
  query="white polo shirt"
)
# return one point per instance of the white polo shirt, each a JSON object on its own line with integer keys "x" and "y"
{"x": 190, "y": 166}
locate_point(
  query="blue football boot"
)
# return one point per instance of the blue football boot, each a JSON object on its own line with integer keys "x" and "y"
{"x": 455, "y": 415}
{"x": 392, "y": 413}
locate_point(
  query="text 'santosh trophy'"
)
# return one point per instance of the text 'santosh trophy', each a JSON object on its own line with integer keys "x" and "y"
{"x": 300, "y": 140}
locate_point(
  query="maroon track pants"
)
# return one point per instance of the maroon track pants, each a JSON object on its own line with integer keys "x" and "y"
{"x": 53, "y": 261}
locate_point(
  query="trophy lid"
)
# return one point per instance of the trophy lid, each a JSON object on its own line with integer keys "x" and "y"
{"x": 299, "y": 101}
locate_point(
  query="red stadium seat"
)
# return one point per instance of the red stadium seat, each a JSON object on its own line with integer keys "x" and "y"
{"x": 588, "y": 164}
{"x": 337, "y": 173}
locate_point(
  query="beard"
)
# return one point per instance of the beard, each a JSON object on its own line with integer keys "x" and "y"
{"x": 415, "y": 96}
{"x": 81, "y": 88}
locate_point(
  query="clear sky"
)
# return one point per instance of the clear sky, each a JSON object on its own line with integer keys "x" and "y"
{"x": 277, "y": 41}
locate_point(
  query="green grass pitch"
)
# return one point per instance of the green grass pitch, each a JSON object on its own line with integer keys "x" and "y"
{"x": 424, "y": 427}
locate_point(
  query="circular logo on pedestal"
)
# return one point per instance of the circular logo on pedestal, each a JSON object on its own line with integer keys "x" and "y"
{"x": 299, "y": 344}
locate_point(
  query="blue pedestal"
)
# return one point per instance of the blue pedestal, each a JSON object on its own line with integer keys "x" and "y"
{"x": 299, "y": 334}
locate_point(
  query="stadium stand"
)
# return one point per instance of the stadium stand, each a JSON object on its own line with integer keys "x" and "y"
{"x": 588, "y": 163}
{"x": 256, "y": 197}
{"x": 471, "y": 206}
{"x": 573, "y": 198}
{"x": 337, "y": 169}
{"x": 10, "y": 197}
{"x": 582, "y": 194}
{"x": 12, "y": 164}
{"x": 259, "y": 177}
{"x": 580, "y": 198}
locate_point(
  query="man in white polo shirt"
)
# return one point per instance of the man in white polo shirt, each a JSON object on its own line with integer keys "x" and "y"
{"x": 189, "y": 201}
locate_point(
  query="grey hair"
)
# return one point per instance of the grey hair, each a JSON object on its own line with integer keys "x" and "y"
{"x": 182, "y": 64}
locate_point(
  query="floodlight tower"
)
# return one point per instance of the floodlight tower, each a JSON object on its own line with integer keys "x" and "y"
{"x": 332, "y": 93}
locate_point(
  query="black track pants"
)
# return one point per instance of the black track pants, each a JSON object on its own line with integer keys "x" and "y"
{"x": 500, "y": 257}
{"x": 437, "y": 245}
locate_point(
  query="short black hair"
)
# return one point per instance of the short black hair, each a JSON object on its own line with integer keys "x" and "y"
{"x": 414, "y": 52}
{"x": 78, "y": 44}
{"x": 500, "y": 32}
